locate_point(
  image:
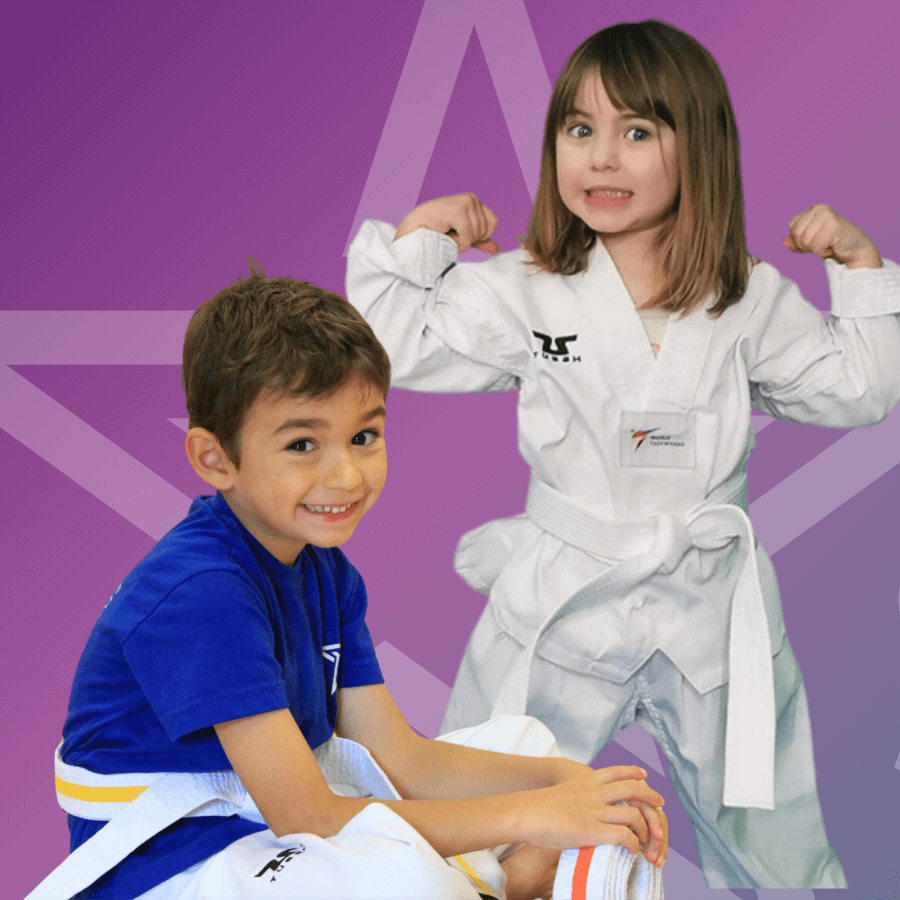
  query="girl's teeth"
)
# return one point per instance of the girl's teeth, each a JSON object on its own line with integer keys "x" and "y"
{"x": 329, "y": 509}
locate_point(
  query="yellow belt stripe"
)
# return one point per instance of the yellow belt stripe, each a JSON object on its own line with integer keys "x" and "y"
{"x": 471, "y": 873}
{"x": 127, "y": 794}
{"x": 98, "y": 794}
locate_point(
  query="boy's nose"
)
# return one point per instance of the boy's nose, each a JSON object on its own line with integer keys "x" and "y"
{"x": 343, "y": 471}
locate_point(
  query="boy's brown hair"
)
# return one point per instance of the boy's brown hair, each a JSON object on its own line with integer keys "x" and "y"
{"x": 277, "y": 334}
{"x": 665, "y": 75}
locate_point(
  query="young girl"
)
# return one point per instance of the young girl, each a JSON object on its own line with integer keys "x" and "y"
{"x": 639, "y": 333}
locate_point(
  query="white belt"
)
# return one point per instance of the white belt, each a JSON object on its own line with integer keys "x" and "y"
{"x": 141, "y": 805}
{"x": 657, "y": 544}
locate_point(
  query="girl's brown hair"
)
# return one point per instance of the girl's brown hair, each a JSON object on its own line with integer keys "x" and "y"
{"x": 665, "y": 75}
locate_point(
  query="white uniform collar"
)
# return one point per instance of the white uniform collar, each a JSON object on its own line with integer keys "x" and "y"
{"x": 668, "y": 382}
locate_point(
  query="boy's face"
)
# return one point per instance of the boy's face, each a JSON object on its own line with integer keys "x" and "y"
{"x": 310, "y": 468}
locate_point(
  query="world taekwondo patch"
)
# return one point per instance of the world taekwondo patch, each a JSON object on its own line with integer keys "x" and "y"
{"x": 657, "y": 440}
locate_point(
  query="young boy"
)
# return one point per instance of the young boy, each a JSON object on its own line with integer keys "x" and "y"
{"x": 239, "y": 646}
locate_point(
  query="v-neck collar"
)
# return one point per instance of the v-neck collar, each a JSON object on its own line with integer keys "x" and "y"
{"x": 643, "y": 381}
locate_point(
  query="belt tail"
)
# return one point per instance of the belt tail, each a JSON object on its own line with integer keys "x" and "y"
{"x": 163, "y": 803}
{"x": 750, "y": 731}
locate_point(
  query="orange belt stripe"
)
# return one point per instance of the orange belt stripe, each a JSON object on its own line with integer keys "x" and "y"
{"x": 580, "y": 875}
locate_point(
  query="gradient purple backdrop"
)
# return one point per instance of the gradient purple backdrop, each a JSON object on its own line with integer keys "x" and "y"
{"x": 150, "y": 148}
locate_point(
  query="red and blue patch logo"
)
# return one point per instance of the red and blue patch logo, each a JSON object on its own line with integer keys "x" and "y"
{"x": 641, "y": 435}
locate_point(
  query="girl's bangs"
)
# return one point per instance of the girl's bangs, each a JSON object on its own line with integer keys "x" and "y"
{"x": 634, "y": 76}
{"x": 636, "y": 89}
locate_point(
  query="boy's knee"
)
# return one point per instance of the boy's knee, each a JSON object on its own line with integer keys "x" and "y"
{"x": 536, "y": 739}
{"x": 428, "y": 882}
{"x": 400, "y": 863}
{"x": 523, "y": 735}
{"x": 377, "y": 855}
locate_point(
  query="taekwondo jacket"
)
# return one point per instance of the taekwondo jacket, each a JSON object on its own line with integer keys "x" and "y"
{"x": 623, "y": 435}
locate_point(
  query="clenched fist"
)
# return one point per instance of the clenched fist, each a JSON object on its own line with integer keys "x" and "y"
{"x": 825, "y": 232}
{"x": 462, "y": 216}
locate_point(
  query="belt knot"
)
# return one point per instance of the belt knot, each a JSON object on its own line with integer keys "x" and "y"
{"x": 671, "y": 541}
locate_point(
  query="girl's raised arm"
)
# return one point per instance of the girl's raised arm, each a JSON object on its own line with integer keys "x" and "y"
{"x": 448, "y": 327}
{"x": 841, "y": 372}
{"x": 824, "y": 231}
{"x": 461, "y": 216}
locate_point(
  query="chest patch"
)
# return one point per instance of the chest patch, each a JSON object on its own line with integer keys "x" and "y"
{"x": 657, "y": 440}
{"x": 556, "y": 349}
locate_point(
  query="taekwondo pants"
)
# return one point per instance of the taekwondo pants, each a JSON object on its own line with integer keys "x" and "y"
{"x": 377, "y": 854}
{"x": 738, "y": 848}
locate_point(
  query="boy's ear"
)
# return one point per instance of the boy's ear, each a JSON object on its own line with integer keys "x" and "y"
{"x": 208, "y": 459}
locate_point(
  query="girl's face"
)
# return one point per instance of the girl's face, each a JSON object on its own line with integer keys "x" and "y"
{"x": 616, "y": 171}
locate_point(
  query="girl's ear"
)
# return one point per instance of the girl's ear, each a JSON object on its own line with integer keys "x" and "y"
{"x": 208, "y": 459}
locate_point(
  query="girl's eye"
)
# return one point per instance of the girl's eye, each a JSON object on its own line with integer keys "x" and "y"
{"x": 303, "y": 445}
{"x": 580, "y": 131}
{"x": 637, "y": 134}
{"x": 364, "y": 438}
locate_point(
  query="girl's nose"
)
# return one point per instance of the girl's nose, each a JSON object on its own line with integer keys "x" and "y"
{"x": 604, "y": 153}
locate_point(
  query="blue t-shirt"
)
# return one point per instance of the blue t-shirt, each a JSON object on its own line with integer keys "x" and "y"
{"x": 209, "y": 627}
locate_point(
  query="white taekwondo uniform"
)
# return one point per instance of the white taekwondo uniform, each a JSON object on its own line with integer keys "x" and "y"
{"x": 633, "y": 586}
{"x": 376, "y": 854}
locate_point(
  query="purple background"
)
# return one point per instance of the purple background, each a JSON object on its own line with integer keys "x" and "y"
{"x": 150, "y": 148}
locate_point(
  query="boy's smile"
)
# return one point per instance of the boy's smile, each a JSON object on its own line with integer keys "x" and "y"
{"x": 309, "y": 468}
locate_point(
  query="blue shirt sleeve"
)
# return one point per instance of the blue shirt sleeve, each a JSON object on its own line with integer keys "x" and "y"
{"x": 206, "y": 654}
{"x": 360, "y": 664}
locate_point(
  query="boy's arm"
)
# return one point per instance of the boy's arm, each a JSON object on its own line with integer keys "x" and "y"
{"x": 546, "y": 802}
{"x": 423, "y": 769}
{"x": 271, "y": 757}
{"x": 273, "y": 760}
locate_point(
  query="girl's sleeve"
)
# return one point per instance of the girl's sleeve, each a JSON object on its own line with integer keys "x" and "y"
{"x": 840, "y": 372}
{"x": 447, "y": 328}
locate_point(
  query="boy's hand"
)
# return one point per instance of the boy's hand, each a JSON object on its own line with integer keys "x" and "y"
{"x": 657, "y": 847}
{"x": 586, "y": 812}
{"x": 462, "y": 216}
{"x": 825, "y": 232}
{"x": 565, "y": 769}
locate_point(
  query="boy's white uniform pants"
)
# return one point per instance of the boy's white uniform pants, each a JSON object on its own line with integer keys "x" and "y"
{"x": 377, "y": 853}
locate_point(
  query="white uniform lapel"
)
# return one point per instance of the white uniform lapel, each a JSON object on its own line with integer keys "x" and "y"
{"x": 642, "y": 381}
{"x": 626, "y": 357}
{"x": 675, "y": 378}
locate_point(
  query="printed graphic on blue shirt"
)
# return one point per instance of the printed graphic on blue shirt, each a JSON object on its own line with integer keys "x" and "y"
{"x": 332, "y": 652}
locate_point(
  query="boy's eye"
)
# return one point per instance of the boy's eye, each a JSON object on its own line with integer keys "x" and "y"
{"x": 637, "y": 134}
{"x": 364, "y": 438}
{"x": 580, "y": 130}
{"x": 303, "y": 445}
